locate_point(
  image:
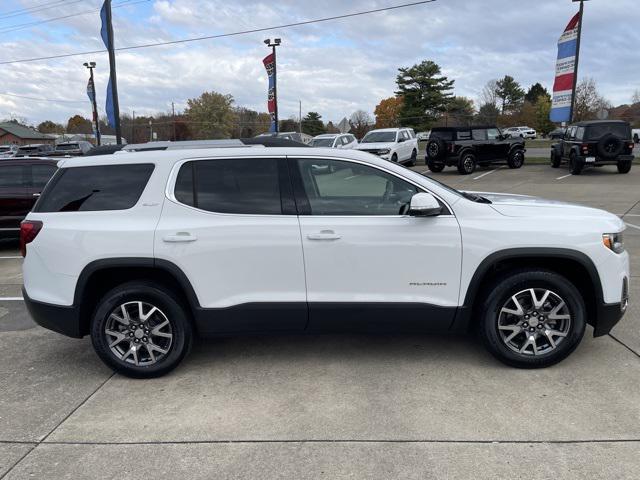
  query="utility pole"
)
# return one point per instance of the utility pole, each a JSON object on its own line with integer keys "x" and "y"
{"x": 300, "y": 113}
{"x": 107, "y": 31}
{"x": 151, "y": 130}
{"x": 91, "y": 91}
{"x": 575, "y": 75}
{"x": 173, "y": 113}
{"x": 276, "y": 43}
{"x": 133, "y": 126}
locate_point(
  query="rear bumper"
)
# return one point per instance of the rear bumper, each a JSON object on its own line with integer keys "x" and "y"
{"x": 607, "y": 161}
{"x": 60, "y": 319}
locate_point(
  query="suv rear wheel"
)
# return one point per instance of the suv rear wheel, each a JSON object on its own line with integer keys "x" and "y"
{"x": 575, "y": 166}
{"x": 516, "y": 159}
{"x": 555, "y": 159}
{"x": 434, "y": 165}
{"x": 414, "y": 157}
{"x": 141, "y": 330}
{"x": 624, "y": 167}
{"x": 532, "y": 319}
{"x": 467, "y": 163}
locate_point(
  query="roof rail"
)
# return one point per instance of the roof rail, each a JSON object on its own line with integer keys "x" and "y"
{"x": 184, "y": 145}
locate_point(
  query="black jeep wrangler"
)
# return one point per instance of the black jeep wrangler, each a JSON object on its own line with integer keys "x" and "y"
{"x": 467, "y": 147}
{"x": 595, "y": 143}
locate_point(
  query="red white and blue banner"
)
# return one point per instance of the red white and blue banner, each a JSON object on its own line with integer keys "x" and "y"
{"x": 270, "y": 65}
{"x": 565, "y": 72}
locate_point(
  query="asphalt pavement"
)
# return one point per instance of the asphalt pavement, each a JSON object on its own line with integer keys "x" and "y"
{"x": 335, "y": 407}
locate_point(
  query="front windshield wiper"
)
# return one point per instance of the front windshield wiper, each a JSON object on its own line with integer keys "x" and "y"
{"x": 475, "y": 198}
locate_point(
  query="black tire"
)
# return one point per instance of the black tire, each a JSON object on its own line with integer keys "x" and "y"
{"x": 414, "y": 157}
{"x": 394, "y": 158}
{"x": 436, "y": 148}
{"x": 435, "y": 166}
{"x": 467, "y": 163}
{"x": 624, "y": 167}
{"x": 609, "y": 146}
{"x": 555, "y": 159}
{"x": 516, "y": 159}
{"x": 575, "y": 166}
{"x": 169, "y": 308}
{"x": 500, "y": 294}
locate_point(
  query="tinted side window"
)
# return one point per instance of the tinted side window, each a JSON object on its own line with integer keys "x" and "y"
{"x": 12, "y": 176}
{"x": 480, "y": 134}
{"x": 493, "y": 133}
{"x": 86, "y": 189}
{"x": 41, "y": 174}
{"x": 240, "y": 186}
{"x": 335, "y": 187}
{"x": 464, "y": 135}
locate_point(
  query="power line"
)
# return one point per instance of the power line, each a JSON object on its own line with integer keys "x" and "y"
{"x": 223, "y": 35}
{"x": 22, "y": 26}
{"x": 41, "y": 99}
{"x": 25, "y": 9}
{"x": 38, "y": 8}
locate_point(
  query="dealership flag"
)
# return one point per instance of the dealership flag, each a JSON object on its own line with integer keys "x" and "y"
{"x": 109, "y": 107}
{"x": 270, "y": 65}
{"x": 565, "y": 72}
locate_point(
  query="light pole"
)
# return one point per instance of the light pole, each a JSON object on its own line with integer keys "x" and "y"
{"x": 91, "y": 91}
{"x": 577, "y": 59}
{"x": 276, "y": 43}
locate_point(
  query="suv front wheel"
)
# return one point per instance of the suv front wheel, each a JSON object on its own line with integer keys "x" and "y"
{"x": 467, "y": 163}
{"x": 532, "y": 319}
{"x": 516, "y": 159}
{"x": 141, "y": 330}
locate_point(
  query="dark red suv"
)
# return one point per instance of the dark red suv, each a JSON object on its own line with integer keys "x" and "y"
{"x": 21, "y": 182}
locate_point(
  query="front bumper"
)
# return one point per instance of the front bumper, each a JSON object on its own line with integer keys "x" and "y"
{"x": 60, "y": 319}
{"x": 608, "y": 315}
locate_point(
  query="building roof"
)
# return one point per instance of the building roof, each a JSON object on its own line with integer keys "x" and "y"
{"x": 21, "y": 131}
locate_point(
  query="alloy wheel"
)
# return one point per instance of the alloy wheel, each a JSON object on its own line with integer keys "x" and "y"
{"x": 534, "y": 321}
{"x": 138, "y": 333}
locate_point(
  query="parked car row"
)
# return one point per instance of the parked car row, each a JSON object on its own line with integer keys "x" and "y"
{"x": 46, "y": 150}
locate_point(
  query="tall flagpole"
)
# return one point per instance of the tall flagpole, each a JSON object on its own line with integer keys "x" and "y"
{"x": 577, "y": 61}
{"x": 112, "y": 68}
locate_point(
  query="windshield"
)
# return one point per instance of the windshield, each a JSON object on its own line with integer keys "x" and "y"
{"x": 68, "y": 146}
{"x": 5, "y": 149}
{"x": 28, "y": 149}
{"x": 322, "y": 142}
{"x": 374, "y": 137}
{"x": 597, "y": 131}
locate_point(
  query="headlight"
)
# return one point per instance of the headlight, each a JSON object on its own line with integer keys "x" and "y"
{"x": 613, "y": 241}
{"x": 384, "y": 151}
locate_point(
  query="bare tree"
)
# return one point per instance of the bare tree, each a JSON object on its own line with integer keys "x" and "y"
{"x": 588, "y": 101}
{"x": 489, "y": 95}
{"x": 361, "y": 123}
{"x": 636, "y": 97}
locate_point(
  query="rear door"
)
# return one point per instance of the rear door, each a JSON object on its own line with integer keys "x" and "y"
{"x": 15, "y": 200}
{"x": 230, "y": 225}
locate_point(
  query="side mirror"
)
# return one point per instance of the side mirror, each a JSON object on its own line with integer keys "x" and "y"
{"x": 424, "y": 205}
{"x": 401, "y": 139}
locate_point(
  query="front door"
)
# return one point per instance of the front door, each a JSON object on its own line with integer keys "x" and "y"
{"x": 368, "y": 265}
{"x": 230, "y": 226}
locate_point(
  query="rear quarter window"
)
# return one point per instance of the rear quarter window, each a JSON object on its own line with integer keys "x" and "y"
{"x": 99, "y": 188}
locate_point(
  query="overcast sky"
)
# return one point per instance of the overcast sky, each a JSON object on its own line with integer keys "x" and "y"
{"x": 334, "y": 67}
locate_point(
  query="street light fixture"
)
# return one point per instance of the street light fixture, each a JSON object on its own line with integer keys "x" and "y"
{"x": 91, "y": 91}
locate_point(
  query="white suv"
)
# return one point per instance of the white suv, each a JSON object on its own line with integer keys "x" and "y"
{"x": 521, "y": 132}
{"x": 144, "y": 250}
{"x": 398, "y": 145}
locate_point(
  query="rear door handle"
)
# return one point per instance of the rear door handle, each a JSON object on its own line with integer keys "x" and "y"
{"x": 180, "y": 237}
{"x": 324, "y": 235}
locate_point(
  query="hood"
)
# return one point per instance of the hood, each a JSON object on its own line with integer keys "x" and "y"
{"x": 512, "y": 205}
{"x": 375, "y": 145}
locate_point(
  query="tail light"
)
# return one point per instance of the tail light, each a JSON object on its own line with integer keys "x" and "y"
{"x": 631, "y": 145}
{"x": 29, "y": 230}
{"x": 585, "y": 148}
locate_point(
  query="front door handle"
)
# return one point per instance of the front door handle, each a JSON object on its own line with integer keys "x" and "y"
{"x": 324, "y": 235}
{"x": 180, "y": 237}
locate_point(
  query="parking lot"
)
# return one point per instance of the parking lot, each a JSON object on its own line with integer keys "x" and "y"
{"x": 325, "y": 406}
